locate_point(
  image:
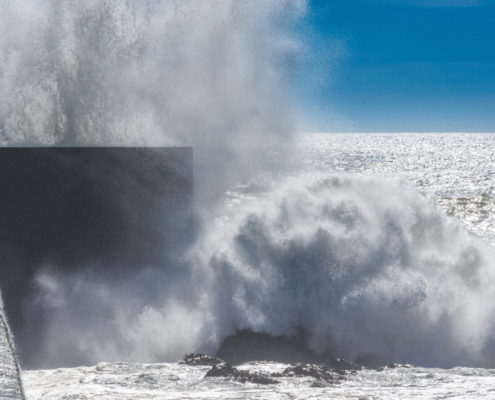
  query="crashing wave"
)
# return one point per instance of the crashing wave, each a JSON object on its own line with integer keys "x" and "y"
{"x": 369, "y": 270}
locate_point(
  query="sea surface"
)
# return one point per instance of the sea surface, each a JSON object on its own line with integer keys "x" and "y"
{"x": 458, "y": 167}
{"x": 435, "y": 193}
{"x": 174, "y": 381}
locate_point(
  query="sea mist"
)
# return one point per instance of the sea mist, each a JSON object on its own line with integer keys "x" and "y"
{"x": 215, "y": 75}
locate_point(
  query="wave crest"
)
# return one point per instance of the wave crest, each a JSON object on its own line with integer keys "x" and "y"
{"x": 368, "y": 269}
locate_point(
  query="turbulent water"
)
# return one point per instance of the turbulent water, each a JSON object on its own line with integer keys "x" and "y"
{"x": 370, "y": 265}
{"x": 358, "y": 247}
{"x": 173, "y": 381}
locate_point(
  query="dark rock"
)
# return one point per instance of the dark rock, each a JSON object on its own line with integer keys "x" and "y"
{"x": 247, "y": 346}
{"x": 341, "y": 366}
{"x": 255, "y": 377}
{"x": 199, "y": 359}
{"x": 320, "y": 372}
{"x": 393, "y": 366}
{"x": 222, "y": 370}
{"x": 227, "y": 370}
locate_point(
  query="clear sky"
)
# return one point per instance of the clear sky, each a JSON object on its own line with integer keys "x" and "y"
{"x": 399, "y": 66}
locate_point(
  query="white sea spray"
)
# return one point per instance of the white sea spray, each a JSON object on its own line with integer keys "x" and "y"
{"x": 369, "y": 269}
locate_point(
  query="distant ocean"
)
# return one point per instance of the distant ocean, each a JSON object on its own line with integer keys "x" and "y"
{"x": 378, "y": 246}
{"x": 459, "y": 168}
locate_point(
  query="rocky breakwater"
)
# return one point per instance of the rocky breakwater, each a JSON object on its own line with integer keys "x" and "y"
{"x": 200, "y": 359}
{"x": 333, "y": 371}
{"x": 249, "y": 348}
{"x": 227, "y": 370}
{"x": 246, "y": 346}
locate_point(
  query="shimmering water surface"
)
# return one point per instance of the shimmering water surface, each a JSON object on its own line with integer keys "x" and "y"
{"x": 458, "y": 167}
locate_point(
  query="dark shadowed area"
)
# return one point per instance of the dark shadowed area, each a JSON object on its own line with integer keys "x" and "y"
{"x": 114, "y": 210}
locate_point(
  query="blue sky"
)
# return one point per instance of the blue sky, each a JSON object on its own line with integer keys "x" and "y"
{"x": 398, "y": 66}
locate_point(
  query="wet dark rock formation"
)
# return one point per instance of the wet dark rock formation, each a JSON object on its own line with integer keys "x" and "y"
{"x": 227, "y": 370}
{"x": 255, "y": 348}
{"x": 319, "y": 372}
{"x": 247, "y": 346}
{"x": 222, "y": 370}
{"x": 200, "y": 359}
{"x": 341, "y": 366}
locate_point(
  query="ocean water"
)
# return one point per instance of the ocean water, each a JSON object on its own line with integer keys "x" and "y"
{"x": 378, "y": 246}
{"x": 458, "y": 167}
{"x": 174, "y": 381}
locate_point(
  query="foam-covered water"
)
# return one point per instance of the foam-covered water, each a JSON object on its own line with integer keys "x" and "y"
{"x": 126, "y": 381}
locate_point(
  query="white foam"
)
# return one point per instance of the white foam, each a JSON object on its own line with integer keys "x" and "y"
{"x": 173, "y": 381}
{"x": 370, "y": 269}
